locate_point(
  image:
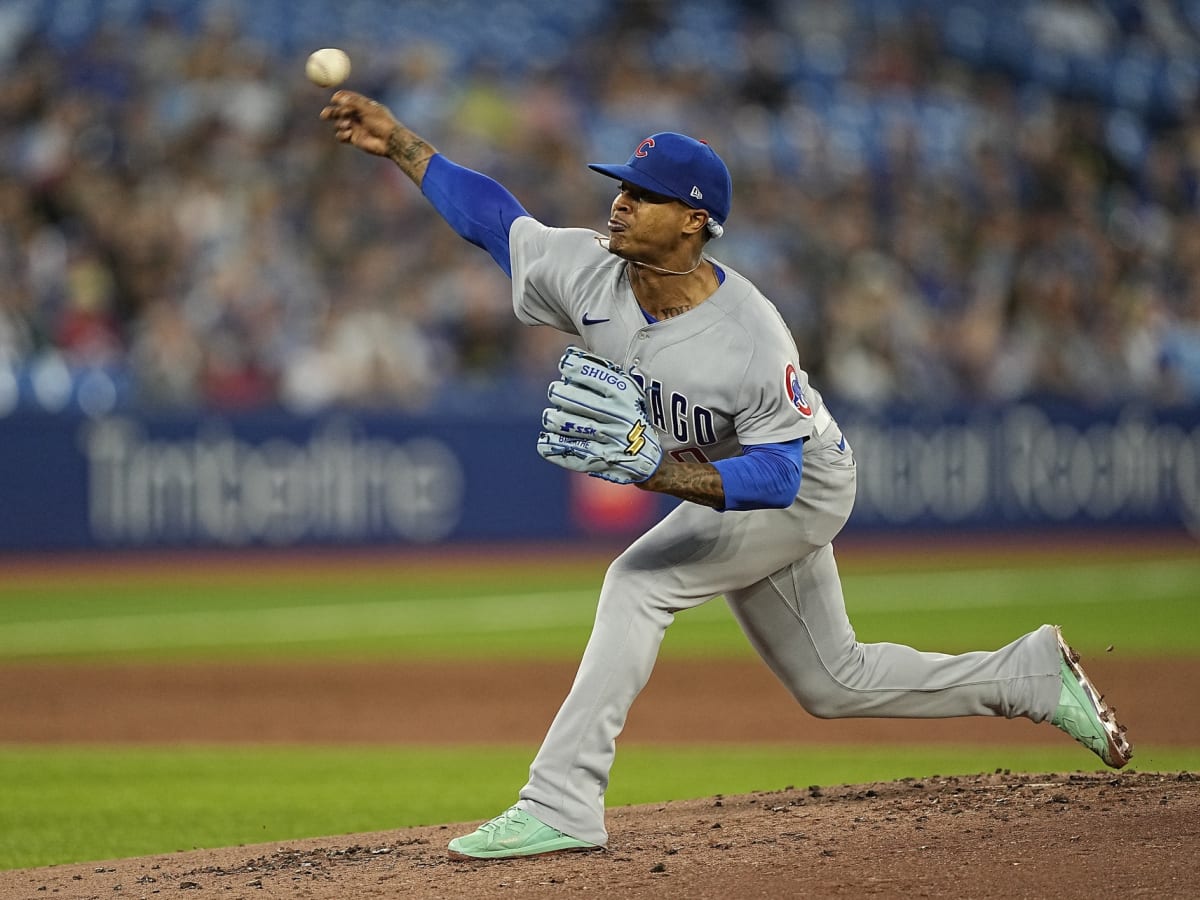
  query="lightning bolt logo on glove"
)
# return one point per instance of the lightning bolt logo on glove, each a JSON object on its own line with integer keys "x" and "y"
{"x": 636, "y": 438}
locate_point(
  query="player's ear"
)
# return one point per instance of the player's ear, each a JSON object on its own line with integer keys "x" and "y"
{"x": 695, "y": 222}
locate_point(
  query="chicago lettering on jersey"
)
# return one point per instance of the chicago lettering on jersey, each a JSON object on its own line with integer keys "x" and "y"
{"x": 688, "y": 424}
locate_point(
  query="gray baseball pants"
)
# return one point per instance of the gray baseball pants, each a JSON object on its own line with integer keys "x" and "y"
{"x": 795, "y": 618}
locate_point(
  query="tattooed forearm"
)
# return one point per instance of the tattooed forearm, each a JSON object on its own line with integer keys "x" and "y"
{"x": 696, "y": 482}
{"x": 410, "y": 153}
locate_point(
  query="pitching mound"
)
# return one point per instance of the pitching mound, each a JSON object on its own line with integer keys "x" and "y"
{"x": 1003, "y": 836}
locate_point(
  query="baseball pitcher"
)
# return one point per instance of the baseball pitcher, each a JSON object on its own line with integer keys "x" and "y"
{"x": 687, "y": 381}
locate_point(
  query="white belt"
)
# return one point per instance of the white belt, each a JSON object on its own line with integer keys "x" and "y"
{"x": 821, "y": 420}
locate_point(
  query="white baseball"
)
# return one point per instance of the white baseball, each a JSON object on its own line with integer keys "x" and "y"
{"x": 327, "y": 67}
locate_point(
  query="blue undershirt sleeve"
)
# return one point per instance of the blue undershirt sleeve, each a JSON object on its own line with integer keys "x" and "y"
{"x": 765, "y": 476}
{"x": 477, "y": 207}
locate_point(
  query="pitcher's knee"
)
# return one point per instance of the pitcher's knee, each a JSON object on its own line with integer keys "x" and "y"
{"x": 833, "y": 702}
{"x": 827, "y": 696}
{"x": 829, "y": 684}
{"x": 621, "y": 580}
{"x": 629, "y": 589}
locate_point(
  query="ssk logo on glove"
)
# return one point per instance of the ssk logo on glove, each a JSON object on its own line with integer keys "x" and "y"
{"x": 576, "y": 428}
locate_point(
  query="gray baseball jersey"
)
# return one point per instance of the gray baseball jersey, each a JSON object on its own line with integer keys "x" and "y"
{"x": 724, "y": 375}
{"x": 721, "y": 377}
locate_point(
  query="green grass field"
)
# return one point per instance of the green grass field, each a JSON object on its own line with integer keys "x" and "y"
{"x": 1153, "y": 605}
{"x": 64, "y": 804}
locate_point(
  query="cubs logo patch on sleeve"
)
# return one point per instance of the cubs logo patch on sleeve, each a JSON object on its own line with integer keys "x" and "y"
{"x": 795, "y": 392}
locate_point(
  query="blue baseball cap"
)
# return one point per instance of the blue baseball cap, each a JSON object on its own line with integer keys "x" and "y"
{"x": 678, "y": 166}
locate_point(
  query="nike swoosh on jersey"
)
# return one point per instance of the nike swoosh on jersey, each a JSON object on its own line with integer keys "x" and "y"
{"x": 587, "y": 320}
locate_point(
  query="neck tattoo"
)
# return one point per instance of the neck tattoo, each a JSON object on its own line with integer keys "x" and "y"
{"x": 672, "y": 311}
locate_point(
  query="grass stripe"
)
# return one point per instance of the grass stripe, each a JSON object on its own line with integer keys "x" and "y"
{"x": 1003, "y": 587}
{"x": 1153, "y": 606}
{"x": 290, "y": 624}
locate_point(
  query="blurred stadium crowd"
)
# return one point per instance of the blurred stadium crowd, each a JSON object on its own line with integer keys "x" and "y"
{"x": 951, "y": 202}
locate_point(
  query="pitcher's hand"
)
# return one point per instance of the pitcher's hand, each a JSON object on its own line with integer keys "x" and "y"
{"x": 360, "y": 121}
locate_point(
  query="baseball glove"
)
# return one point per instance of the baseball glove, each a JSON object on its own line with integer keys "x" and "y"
{"x": 597, "y": 422}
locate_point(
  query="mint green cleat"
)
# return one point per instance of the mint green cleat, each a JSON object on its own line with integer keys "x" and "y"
{"x": 1083, "y": 714}
{"x": 514, "y": 833}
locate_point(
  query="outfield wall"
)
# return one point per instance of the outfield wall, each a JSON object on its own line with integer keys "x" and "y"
{"x": 133, "y": 481}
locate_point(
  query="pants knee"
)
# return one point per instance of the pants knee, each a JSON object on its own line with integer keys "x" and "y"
{"x": 621, "y": 580}
{"x": 825, "y": 695}
{"x": 625, "y": 588}
{"x": 831, "y": 703}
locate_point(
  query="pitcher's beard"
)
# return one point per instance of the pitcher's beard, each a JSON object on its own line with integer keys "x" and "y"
{"x": 606, "y": 242}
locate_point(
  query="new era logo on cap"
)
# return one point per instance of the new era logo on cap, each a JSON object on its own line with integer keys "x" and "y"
{"x": 678, "y": 166}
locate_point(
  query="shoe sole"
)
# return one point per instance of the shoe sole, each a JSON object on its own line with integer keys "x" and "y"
{"x": 1120, "y": 751}
{"x": 464, "y": 857}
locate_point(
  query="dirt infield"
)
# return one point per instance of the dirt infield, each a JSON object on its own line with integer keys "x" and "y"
{"x": 980, "y": 837}
{"x": 450, "y": 702}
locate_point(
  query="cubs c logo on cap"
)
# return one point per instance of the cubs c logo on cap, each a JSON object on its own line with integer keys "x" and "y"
{"x": 795, "y": 392}
{"x": 645, "y": 145}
